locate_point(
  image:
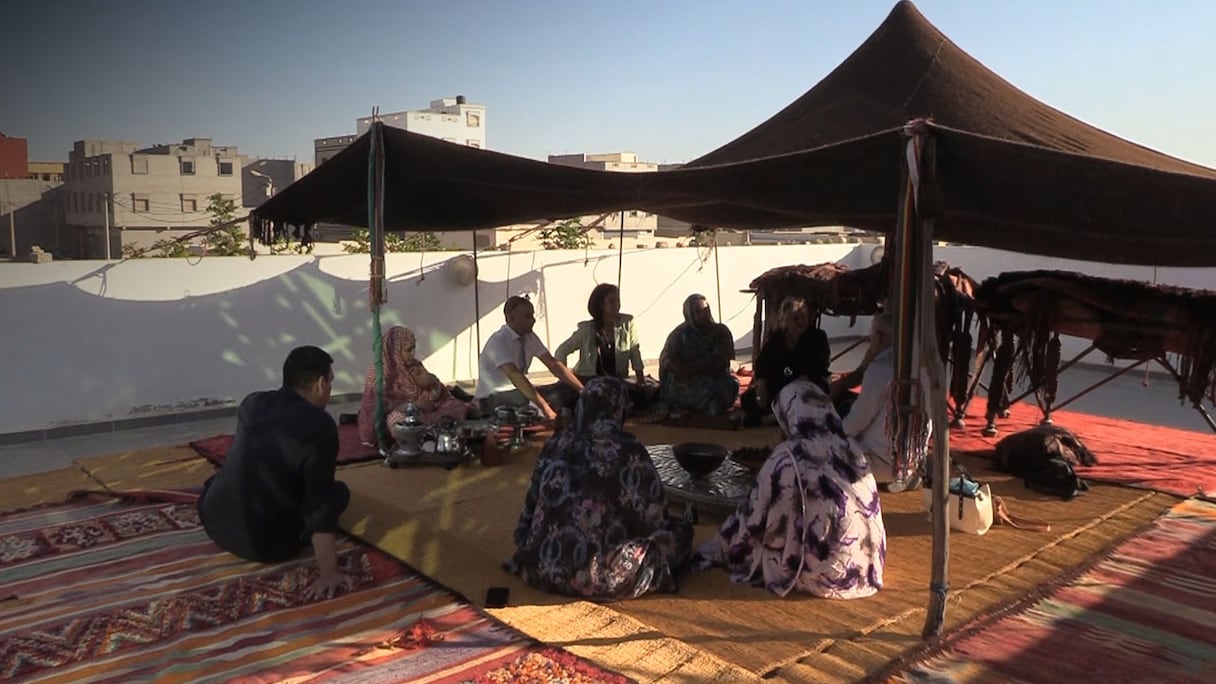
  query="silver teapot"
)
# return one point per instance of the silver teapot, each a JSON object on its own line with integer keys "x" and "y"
{"x": 448, "y": 438}
{"x": 410, "y": 432}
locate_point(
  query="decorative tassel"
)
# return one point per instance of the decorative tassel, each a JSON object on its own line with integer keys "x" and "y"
{"x": 909, "y": 420}
{"x": 1051, "y": 370}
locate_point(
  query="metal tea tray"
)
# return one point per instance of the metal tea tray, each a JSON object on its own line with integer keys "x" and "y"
{"x": 718, "y": 492}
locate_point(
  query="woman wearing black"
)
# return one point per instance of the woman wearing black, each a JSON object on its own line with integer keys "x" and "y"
{"x": 793, "y": 349}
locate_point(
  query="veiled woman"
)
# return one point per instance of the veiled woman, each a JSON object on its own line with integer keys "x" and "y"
{"x": 405, "y": 380}
{"x": 812, "y": 522}
{"x": 595, "y": 522}
{"x": 694, "y": 366}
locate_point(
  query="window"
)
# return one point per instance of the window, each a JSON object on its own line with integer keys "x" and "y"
{"x": 139, "y": 203}
{"x": 105, "y": 165}
{"x": 139, "y": 164}
{"x": 225, "y": 168}
{"x": 189, "y": 203}
{"x": 473, "y": 143}
{"x": 472, "y": 119}
{"x": 187, "y": 167}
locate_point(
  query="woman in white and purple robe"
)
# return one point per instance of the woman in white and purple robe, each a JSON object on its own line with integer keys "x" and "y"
{"x": 812, "y": 523}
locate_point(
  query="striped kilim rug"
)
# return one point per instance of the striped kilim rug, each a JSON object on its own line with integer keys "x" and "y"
{"x": 120, "y": 592}
{"x": 1144, "y": 613}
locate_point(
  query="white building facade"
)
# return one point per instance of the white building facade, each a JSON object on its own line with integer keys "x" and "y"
{"x": 453, "y": 119}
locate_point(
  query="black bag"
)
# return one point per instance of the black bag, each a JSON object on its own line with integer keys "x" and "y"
{"x": 1044, "y": 457}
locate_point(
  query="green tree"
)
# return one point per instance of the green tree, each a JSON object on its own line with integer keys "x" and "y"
{"x": 173, "y": 249}
{"x": 360, "y": 242}
{"x": 228, "y": 241}
{"x": 568, "y": 234}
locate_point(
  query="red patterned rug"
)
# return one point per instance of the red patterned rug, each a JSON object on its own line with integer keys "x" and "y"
{"x": 120, "y": 592}
{"x": 1144, "y": 613}
{"x": 1140, "y": 455}
{"x": 350, "y": 449}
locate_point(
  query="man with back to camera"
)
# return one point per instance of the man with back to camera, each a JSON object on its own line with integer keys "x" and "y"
{"x": 503, "y": 366}
{"x": 276, "y": 491}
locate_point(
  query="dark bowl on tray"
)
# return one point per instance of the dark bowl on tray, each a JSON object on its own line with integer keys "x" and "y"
{"x": 752, "y": 458}
{"x": 699, "y": 458}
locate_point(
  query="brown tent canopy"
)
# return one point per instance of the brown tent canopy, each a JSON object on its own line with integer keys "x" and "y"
{"x": 1013, "y": 172}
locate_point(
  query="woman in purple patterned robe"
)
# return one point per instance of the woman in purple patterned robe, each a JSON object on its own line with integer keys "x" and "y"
{"x": 812, "y": 522}
{"x": 595, "y": 522}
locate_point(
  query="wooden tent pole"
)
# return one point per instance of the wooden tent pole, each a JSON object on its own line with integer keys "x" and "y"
{"x": 931, "y": 363}
{"x": 718, "y": 277}
{"x": 620, "y": 254}
{"x": 476, "y": 294}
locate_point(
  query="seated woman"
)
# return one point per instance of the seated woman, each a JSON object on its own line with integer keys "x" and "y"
{"x": 595, "y": 522}
{"x": 793, "y": 349}
{"x": 405, "y": 380}
{"x": 812, "y": 522}
{"x": 694, "y": 367}
{"x": 607, "y": 344}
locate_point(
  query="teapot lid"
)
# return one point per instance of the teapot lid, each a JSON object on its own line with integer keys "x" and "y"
{"x": 412, "y": 415}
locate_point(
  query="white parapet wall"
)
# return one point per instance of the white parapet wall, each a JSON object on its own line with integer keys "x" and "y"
{"x": 88, "y": 341}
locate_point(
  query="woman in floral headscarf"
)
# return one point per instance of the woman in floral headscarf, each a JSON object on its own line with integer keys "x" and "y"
{"x": 405, "y": 380}
{"x": 595, "y": 522}
{"x": 694, "y": 366}
{"x": 812, "y": 522}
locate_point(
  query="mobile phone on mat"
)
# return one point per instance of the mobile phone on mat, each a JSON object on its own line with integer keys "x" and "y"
{"x": 497, "y": 597}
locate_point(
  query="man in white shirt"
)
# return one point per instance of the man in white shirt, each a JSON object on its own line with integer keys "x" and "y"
{"x": 867, "y": 419}
{"x": 502, "y": 378}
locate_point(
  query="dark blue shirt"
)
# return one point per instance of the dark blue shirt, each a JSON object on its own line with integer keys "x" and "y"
{"x": 276, "y": 485}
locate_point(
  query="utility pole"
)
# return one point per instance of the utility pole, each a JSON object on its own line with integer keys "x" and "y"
{"x": 12, "y": 230}
{"x": 105, "y": 205}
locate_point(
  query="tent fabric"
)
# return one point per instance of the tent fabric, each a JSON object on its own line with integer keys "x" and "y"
{"x": 1012, "y": 173}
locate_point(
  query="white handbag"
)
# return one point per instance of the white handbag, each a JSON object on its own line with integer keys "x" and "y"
{"x": 969, "y": 505}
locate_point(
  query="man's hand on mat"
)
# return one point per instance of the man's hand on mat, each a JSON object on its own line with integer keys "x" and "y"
{"x": 328, "y": 583}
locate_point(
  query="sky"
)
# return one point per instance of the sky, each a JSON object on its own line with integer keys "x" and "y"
{"x": 667, "y": 79}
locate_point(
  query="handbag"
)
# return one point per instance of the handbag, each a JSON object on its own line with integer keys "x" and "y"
{"x": 969, "y": 504}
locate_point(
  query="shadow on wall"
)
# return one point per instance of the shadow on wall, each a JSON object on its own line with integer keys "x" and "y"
{"x": 97, "y": 341}
{"x": 38, "y": 222}
{"x": 85, "y": 357}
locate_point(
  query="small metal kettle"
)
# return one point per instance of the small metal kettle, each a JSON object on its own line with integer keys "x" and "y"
{"x": 448, "y": 439}
{"x": 410, "y": 432}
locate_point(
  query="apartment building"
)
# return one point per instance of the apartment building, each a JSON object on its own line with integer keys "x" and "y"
{"x": 14, "y": 157}
{"x": 262, "y": 178}
{"x": 117, "y": 194}
{"x": 638, "y": 227}
{"x": 46, "y": 171}
{"x": 453, "y": 119}
{"x": 325, "y": 149}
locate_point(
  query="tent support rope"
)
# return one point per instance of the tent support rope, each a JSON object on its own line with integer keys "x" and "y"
{"x": 717, "y": 275}
{"x": 476, "y": 294}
